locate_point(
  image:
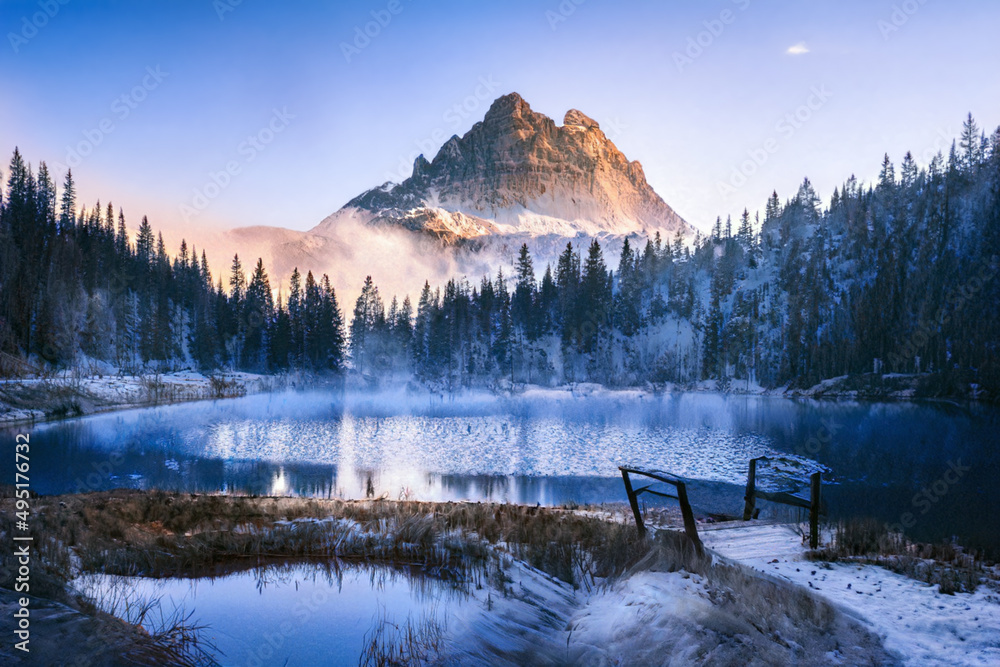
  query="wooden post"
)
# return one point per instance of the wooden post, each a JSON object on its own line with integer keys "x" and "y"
{"x": 634, "y": 502}
{"x": 814, "y": 501}
{"x": 689, "y": 525}
{"x": 751, "y": 490}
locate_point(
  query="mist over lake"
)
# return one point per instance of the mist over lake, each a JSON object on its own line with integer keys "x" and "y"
{"x": 541, "y": 446}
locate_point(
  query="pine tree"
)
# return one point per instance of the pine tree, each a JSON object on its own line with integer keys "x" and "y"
{"x": 773, "y": 209}
{"x": 503, "y": 340}
{"x": 366, "y": 327}
{"x": 548, "y": 302}
{"x": 422, "y": 331}
{"x": 908, "y": 171}
{"x": 628, "y": 306}
{"x": 595, "y": 298}
{"x": 745, "y": 233}
{"x": 237, "y": 280}
{"x": 280, "y": 338}
{"x": 67, "y": 207}
{"x": 331, "y": 326}
{"x": 971, "y": 145}
{"x": 45, "y": 202}
{"x": 311, "y": 331}
{"x": 28, "y": 244}
{"x": 887, "y": 176}
{"x": 258, "y": 315}
{"x": 401, "y": 330}
{"x": 295, "y": 317}
{"x": 568, "y": 284}
{"x": 678, "y": 249}
{"x": 522, "y": 303}
{"x": 122, "y": 247}
{"x": 144, "y": 244}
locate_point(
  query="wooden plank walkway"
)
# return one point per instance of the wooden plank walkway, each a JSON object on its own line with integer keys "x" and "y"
{"x": 755, "y": 541}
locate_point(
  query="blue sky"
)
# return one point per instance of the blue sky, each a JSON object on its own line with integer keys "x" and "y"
{"x": 161, "y": 96}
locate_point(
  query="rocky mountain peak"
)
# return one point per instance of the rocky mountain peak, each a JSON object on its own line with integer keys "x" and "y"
{"x": 516, "y": 171}
{"x": 508, "y": 105}
{"x": 578, "y": 118}
{"x": 420, "y": 166}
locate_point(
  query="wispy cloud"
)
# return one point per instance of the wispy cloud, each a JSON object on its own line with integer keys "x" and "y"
{"x": 797, "y": 49}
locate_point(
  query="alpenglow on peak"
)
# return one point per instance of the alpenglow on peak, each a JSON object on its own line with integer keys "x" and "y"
{"x": 517, "y": 172}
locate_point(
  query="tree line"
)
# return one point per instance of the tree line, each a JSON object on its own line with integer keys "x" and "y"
{"x": 74, "y": 286}
{"x": 897, "y": 276}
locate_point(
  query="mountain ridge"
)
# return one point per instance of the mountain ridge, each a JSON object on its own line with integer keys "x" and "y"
{"x": 517, "y": 172}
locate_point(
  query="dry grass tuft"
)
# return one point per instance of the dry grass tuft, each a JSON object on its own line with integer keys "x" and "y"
{"x": 415, "y": 643}
{"x": 166, "y": 534}
{"x": 756, "y": 619}
{"x": 869, "y": 541}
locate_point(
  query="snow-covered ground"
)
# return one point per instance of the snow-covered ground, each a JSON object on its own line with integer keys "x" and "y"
{"x": 915, "y": 621}
{"x": 36, "y": 399}
{"x": 646, "y": 618}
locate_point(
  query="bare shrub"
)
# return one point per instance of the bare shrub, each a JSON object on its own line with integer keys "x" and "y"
{"x": 221, "y": 387}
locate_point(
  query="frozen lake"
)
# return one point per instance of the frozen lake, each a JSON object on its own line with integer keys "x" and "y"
{"x": 547, "y": 447}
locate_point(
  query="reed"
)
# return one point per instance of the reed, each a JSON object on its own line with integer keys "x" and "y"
{"x": 163, "y": 534}
{"x": 869, "y": 541}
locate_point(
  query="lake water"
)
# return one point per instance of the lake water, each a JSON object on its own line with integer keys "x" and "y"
{"x": 544, "y": 447}
{"x": 301, "y": 614}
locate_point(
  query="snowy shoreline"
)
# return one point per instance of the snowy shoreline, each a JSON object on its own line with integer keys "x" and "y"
{"x": 35, "y": 400}
{"x": 754, "y": 598}
{"x": 914, "y": 620}
{"x": 893, "y": 388}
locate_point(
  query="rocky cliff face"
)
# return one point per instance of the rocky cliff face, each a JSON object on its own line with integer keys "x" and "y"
{"x": 517, "y": 172}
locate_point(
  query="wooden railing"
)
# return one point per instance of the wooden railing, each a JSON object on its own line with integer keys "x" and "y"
{"x": 633, "y": 498}
{"x": 812, "y": 503}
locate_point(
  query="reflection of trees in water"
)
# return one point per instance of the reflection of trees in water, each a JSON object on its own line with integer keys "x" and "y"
{"x": 380, "y": 576}
{"x": 881, "y": 453}
{"x": 477, "y": 487}
{"x": 493, "y": 486}
{"x": 257, "y": 478}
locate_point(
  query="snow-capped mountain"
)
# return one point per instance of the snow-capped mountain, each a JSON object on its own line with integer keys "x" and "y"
{"x": 515, "y": 177}
{"x": 517, "y": 172}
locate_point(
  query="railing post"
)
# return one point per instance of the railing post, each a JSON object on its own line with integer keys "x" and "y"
{"x": 750, "y": 498}
{"x": 634, "y": 502}
{"x": 814, "y": 502}
{"x": 689, "y": 525}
